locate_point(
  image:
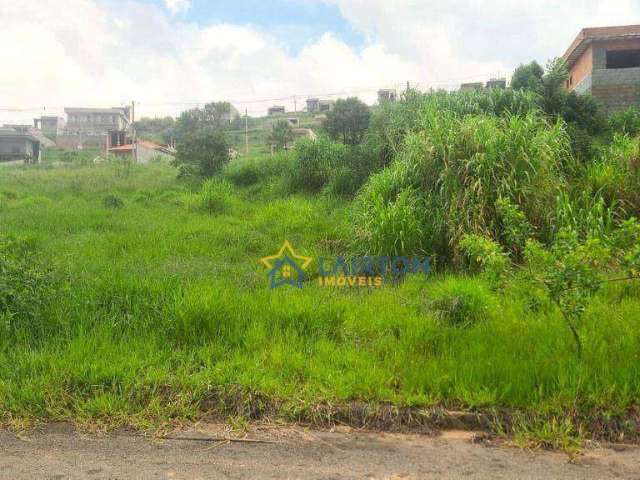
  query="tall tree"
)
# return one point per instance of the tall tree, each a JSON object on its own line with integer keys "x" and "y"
{"x": 215, "y": 115}
{"x": 348, "y": 121}
{"x": 527, "y": 77}
{"x": 203, "y": 152}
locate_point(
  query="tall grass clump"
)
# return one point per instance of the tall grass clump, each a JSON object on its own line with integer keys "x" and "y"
{"x": 216, "y": 196}
{"x": 259, "y": 169}
{"x": 614, "y": 176}
{"x": 459, "y": 169}
{"x": 314, "y": 163}
{"x": 27, "y": 289}
{"x": 462, "y": 302}
{"x": 391, "y": 122}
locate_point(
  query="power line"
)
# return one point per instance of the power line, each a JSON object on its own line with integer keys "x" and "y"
{"x": 289, "y": 98}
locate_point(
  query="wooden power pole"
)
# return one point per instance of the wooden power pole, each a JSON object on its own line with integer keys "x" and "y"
{"x": 133, "y": 128}
{"x": 246, "y": 132}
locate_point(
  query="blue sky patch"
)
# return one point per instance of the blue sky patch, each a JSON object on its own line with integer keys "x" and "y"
{"x": 294, "y": 23}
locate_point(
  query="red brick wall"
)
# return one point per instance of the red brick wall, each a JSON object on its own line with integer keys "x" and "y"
{"x": 581, "y": 68}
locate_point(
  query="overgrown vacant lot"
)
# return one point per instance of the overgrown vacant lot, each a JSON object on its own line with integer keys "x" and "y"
{"x": 137, "y": 306}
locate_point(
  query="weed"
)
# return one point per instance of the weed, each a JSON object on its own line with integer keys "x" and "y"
{"x": 112, "y": 201}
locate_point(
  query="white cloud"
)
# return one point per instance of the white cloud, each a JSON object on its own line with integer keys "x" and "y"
{"x": 177, "y": 6}
{"x": 468, "y": 39}
{"x": 89, "y": 54}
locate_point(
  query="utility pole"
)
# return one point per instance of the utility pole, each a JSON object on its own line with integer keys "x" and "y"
{"x": 295, "y": 104}
{"x": 246, "y": 131}
{"x": 133, "y": 127}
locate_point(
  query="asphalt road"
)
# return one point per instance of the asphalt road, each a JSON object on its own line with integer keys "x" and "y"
{"x": 58, "y": 452}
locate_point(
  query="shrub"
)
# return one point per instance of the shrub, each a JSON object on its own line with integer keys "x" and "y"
{"x": 571, "y": 272}
{"x": 625, "y": 246}
{"x": 626, "y": 122}
{"x": 514, "y": 226}
{"x": 112, "y": 201}
{"x": 484, "y": 255}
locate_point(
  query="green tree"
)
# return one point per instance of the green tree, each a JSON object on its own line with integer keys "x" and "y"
{"x": 527, "y": 77}
{"x": 281, "y": 135}
{"x": 203, "y": 151}
{"x": 348, "y": 121}
{"x": 215, "y": 115}
{"x": 583, "y": 115}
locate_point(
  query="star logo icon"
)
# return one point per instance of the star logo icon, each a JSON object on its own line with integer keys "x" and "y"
{"x": 286, "y": 267}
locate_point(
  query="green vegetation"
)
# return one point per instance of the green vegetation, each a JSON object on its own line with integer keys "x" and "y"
{"x": 348, "y": 121}
{"x": 134, "y": 295}
{"x": 281, "y": 135}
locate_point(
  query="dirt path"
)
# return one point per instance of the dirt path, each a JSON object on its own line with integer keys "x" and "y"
{"x": 60, "y": 453}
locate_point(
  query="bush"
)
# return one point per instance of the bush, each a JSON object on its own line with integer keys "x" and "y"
{"x": 484, "y": 255}
{"x": 571, "y": 272}
{"x": 514, "y": 227}
{"x": 626, "y": 122}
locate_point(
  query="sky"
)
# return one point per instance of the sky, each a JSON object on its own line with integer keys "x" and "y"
{"x": 171, "y": 55}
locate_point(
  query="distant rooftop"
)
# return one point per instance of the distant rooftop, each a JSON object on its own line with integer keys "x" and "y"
{"x": 589, "y": 35}
{"x": 6, "y": 132}
{"x": 97, "y": 110}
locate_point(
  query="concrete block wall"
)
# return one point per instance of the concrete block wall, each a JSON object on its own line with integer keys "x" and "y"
{"x": 617, "y": 89}
{"x": 617, "y": 97}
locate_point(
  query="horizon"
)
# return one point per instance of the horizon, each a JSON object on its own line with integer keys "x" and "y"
{"x": 171, "y": 55}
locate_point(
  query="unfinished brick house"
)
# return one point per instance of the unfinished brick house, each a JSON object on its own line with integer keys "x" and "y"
{"x": 605, "y": 62}
{"x": 97, "y": 121}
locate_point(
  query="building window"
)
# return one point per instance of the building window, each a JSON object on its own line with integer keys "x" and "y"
{"x": 623, "y": 59}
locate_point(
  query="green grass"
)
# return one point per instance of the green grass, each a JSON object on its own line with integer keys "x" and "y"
{"x": 164, "y": 309}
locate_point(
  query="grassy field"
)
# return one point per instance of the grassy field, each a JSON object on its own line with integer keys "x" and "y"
{"x": 161, "y": 311}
